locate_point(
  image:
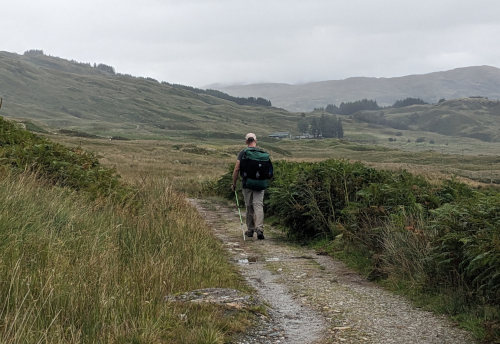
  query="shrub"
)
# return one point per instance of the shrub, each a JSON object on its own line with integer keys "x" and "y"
{"x": 438, "y": 237}
{"x": 57, "y": 164}
{"x": 317, "y": 199}
{"x": 466, "y": 250}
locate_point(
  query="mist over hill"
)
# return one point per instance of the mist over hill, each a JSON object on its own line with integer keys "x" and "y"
{"x": 69, "y": 95}
{"x": 457, "y": 83}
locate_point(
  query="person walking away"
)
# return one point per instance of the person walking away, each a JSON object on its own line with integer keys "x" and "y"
{"x": 255, "y": 168}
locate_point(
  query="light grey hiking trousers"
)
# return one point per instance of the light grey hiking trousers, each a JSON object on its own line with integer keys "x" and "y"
{"x": 254, "y": 201}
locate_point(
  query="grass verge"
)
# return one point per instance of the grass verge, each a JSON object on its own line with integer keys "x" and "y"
{"x": 74, "y": 270}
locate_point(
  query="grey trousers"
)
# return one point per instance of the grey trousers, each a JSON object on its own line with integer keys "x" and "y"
{"x": 254, "y": 201}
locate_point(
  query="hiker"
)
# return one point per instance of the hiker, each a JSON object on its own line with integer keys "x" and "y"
{"x": 255, "y": 168}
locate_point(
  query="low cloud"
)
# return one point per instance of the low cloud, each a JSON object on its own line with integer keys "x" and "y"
{"x": 203, "y": 42}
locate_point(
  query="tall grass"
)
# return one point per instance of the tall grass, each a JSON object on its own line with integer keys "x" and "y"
{"x": 74, "y": 270}
{"x": 407, "y": 252}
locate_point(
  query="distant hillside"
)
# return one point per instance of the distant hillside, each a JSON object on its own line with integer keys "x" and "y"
{"x": 94, "y": 100}
{"x": 475, "y": 117}
{"x": 457, "y": 83}
{"x": 78, "y": 99}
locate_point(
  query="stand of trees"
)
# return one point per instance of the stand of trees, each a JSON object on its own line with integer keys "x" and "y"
{"x": 105, "y": 68}
{"x": 33, "y": 52}
{"x": 327, "y": 126}
{"x": 352, "y": 107}
{"x": 407, "y": 102}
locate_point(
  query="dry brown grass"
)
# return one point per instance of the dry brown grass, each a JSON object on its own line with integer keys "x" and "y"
{"x": 189, "y": 164}
{"x": 73, "y": 270}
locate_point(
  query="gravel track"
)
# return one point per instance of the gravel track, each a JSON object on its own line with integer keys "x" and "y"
{"x": 316, "y": 299}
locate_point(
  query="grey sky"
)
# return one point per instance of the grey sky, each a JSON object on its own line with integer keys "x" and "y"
{"x": 196, "y": 42}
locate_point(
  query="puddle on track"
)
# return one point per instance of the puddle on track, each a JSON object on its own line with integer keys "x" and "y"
{"x": 272, "y": 259}
{"x": 255, "y": 259}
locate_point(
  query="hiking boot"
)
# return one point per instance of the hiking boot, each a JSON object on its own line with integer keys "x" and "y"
{"x": 260, "y": 235}
{"x": 249, "y": 234}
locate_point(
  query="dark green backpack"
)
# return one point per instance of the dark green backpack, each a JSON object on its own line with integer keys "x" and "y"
{"x": 256, "y": 168}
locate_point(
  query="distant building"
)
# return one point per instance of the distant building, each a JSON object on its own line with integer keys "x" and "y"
{"x": 280, "y": 135}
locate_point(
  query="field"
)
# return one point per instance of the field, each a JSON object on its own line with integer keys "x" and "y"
{"x": 163, "y": 171}
{"x": 193, "y": 167}
{"x": 190, "y": 162}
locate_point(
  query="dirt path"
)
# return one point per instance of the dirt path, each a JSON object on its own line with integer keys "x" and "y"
{"x": 315, "y": 299}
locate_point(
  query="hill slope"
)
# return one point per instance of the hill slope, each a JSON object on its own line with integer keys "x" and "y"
{"x": 71, "y": 95}
{"x": 457, "y": 83}
{"x": 475, "y": 117}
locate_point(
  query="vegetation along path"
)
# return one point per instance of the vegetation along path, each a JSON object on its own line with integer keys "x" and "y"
{"x": 316, "y": 299}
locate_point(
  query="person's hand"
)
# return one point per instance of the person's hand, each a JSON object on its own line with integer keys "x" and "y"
{"x": 233, "y": 187}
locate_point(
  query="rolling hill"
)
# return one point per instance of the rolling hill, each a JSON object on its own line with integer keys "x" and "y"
{"x": 473, "y": 117}
{"x": 457, "y": 83}
{"x": 57, "y": 95}
{"x": 69, "y": 95}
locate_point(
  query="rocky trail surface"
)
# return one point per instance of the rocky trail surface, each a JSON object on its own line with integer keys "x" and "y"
{"x": 315, "y": 299}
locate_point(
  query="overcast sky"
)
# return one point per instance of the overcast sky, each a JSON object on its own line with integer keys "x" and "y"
{"x": 199, "y": 42}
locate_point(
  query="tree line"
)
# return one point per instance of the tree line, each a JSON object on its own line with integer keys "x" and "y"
{"x": 218, "y": 94}
{"x": 101, "y": 66}
{"x": 349, "y": 108}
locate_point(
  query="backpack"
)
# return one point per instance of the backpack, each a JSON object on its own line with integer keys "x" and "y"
{"x": 256, "y": 168}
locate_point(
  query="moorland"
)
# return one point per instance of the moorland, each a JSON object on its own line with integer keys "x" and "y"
{"x": 96, "y": 165}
